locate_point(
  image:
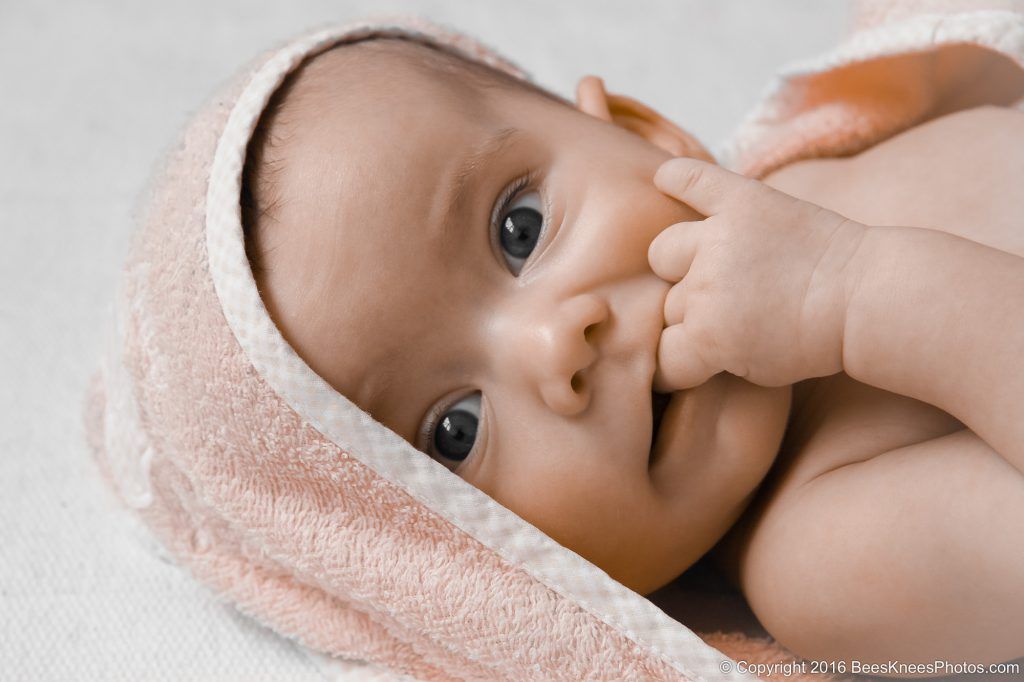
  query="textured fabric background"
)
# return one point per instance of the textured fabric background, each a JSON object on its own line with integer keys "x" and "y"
{"x": 92, "y": 93}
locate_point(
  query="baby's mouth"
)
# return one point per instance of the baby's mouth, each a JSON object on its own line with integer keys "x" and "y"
{"x": 659, "y": 402}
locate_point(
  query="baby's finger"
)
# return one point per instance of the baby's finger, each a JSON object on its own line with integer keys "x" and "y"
{"x": 680, "y": 362}
{"x": 706, "y": 187}
{"x": 673, "y": 250}
{"x": 675, "y": 304}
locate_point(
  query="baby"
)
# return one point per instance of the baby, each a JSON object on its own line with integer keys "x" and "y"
{"x": 651, "y": 358}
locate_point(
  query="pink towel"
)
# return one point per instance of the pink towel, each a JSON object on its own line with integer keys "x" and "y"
{"x": 902, "y": 64}
{"x": 285, "y": 498}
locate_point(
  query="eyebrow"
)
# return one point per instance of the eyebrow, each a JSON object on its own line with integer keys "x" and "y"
{"x": 458, "y": 195}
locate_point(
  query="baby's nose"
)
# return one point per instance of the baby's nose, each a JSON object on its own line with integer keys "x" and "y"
{"x": 559, "y": 350}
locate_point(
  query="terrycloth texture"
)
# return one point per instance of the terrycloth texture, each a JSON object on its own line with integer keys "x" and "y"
{"x": 280, "y": 494}
{"x": 903, "y": 63}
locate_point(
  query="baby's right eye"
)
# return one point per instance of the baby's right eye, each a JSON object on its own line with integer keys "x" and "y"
{"x": 452, "y": 434}
{"x": 519, "y": 228}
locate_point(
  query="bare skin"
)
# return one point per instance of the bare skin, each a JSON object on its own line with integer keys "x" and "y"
{"x": 562, "y": 348}
{"x": 928, "y": 565}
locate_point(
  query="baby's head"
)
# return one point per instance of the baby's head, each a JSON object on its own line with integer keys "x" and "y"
{"x": 464, "y": 256}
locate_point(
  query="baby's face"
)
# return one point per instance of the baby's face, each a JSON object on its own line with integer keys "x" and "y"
{"x": 471, "y": 268}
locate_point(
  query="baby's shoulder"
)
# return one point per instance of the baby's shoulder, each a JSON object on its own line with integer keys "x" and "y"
{"x": 958, "y": 173}
{"x": 958, "y": 134}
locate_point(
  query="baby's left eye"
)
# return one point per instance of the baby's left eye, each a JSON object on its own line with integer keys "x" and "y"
{"x": 519, "y": 229}
{"x": 453, "y": 438}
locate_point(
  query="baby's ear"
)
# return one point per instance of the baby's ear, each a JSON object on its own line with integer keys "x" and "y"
{"x": 637, "y": 117}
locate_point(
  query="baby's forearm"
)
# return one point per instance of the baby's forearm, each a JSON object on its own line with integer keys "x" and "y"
{"x": 940, "y": 318}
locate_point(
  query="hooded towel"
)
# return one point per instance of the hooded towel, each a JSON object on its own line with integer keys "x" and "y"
{"x": 291, "y": 502}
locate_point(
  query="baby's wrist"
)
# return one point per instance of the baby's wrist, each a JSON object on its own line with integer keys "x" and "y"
{"x": 869, "y": 287}
{"x": 839, "y": 273}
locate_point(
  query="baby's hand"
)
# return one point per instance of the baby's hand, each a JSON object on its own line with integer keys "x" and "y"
{"x": 762, "y": 284}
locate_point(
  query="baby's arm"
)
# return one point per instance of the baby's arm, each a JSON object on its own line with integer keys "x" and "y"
{"x": 911, "y": 554}
{"x": 776, "y": 290}
{"x": 940, "y": 318}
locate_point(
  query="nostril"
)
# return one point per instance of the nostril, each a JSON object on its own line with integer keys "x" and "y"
{"x": 589, "y": 331}
{"x": 577, "y": 382}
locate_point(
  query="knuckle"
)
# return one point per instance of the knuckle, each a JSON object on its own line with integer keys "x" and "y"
{"x": 703, "y": 334}
{"x": 691, "y": 177}
{"x": 701, "y": 281}
{"x": 683, "y": 173}
{"x": 706, "y": 348}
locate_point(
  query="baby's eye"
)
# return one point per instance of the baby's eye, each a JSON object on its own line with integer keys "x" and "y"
{"x": 519, "y": 228}
{"x": 453, "y": 434}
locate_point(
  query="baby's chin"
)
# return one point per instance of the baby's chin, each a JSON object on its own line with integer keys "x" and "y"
{"x": 718, "y": 439}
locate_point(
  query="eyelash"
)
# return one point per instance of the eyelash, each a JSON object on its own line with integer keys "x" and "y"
{"x": 508, "y": 196}
{"x": 431, "y": 422}
{"x": 501, "y": 206}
